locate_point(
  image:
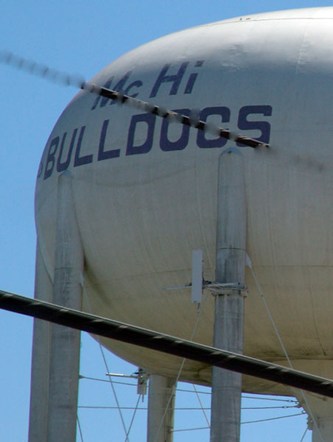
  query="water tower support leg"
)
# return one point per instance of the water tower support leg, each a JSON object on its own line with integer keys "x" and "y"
{"x": 40, "y": 365}
{"x": 230, "y": 269}
{"x": 324, "y": 431}
{"x": 319, "y": 409}
{"x": 161, "y": 402}
{"x": 65, "y": 342}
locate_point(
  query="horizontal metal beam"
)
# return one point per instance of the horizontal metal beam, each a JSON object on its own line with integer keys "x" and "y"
{"x": 165, "y": 343}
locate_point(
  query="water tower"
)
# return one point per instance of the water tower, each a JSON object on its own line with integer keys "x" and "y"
{"x": 123, "y": 197}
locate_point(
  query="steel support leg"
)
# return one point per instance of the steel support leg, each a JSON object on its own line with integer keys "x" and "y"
{"x": 322, "y": 413}
{"x": 324, "y": 431}
{"x": 230, "y": 270}
{"x": 40, "y": 365}
{"x": 58, "y": 408}
{"x": 65, "y": 342}
{"x": 161, "y": 402}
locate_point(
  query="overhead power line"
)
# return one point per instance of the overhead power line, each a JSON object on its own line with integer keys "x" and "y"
{"x": 60, "y": 77}
{"x": 165, "y": 343}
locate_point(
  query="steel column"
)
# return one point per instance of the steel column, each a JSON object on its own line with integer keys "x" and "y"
{"x": 230, "y": 274}
{"x": 161, "y": 403}
{"x": 65, "y": 342}
{"x": 56, "y": 349}
{"x": 40, "y": 365}
{"x": 320, "y": 411}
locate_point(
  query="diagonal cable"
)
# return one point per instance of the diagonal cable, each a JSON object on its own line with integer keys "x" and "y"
{"x": 283, "y": 347}
{"x": 115, "y": 394}
{"x": 60, "y": 77}
{"x": 195, "y": 327}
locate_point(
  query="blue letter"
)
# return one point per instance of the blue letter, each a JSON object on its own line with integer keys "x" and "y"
{"x": 182, "y": 141}
{"x": 64, "y": 166}
{"x": 102, "y": 154}
{"x": 174, "y": 79}
{"x": 147, "y": 140}
{"x": 80, "y": 161}
{"x": 51, "y": 157}
{"x": 40, "y": 168}
{"x": 224, "y": 113}
{"x": 119, "y": 87}
{"x": 193, "y": 78}
{"x": 263, "y": 126}
{"x": 136, "y": 84}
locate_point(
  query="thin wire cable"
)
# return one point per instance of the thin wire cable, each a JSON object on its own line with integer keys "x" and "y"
{"x": 273, "y": 418}
{"x": 110, "y": 381}
{"x": 243, "y": 423}
{"x": 201, "y": 407}
{"x": 254, "y": 398}
{"x": 283, "y": 347}
{"x": 106, "y": 380}
{"x": 199, "y": 311}
{"x": 40, "y": 70}
{"x": 184, "y": 390}
{"x": 79, "y": 427}
{"x": 285, "y": 407}
{"x": 133, "y": 417}
{"x": 180, "y": 430}
{"x": 304, "y": 434}
{"x": 270, "y": 316}
{"x": 114, "y": 393}
{"x": 270, "y": 399}
{"x": 109, "y": 407}
{"x": 201, "y": 404}
{"x": 43, "y": 71}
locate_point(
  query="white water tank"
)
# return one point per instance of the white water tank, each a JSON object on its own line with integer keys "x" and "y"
{"x": 145, "y": 191}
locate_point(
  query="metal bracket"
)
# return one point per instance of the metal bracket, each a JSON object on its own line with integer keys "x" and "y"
{"x": 141, "y": 376}
{"x": 217, "y": 288}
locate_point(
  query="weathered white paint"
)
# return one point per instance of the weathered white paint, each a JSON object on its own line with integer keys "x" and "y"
{"x": 229, "y": 302}
{"x": 140, "y": 216}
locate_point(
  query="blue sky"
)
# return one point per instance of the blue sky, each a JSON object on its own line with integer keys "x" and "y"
{"x": 82, "y": 37}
